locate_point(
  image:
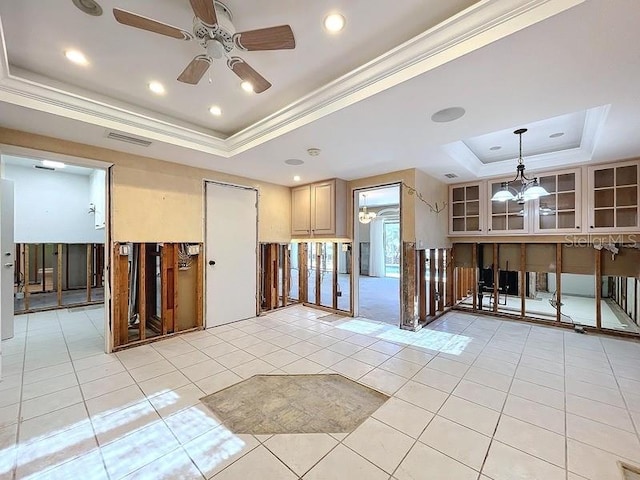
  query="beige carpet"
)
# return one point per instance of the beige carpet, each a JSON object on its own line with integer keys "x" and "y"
{"x": 269, "y": 404}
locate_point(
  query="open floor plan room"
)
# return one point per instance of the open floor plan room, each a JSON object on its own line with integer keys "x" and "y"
{"x": 471, "y": 397}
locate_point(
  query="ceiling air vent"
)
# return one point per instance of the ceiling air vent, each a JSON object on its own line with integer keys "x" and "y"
{"x": 122, "y": 137}
{"x": 44, "y": 168}
{"x": 451, "y": 175}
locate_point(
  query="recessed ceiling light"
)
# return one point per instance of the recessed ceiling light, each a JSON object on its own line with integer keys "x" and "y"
{"x": 52, "y": 164}
{"x": 556, "y": 135}
{"x": 247, "y": 87}
{"x": 89, "y": 7}
{"x": 448, "y": 114}
{"x": 334, "y": 22}
{"x": 496, "y": 147}
{"x": 76, "y": 57}
{"x": 215, "y": 110}
{"x": 296, "y": 178}
{"x": 294, "y": 161}
{"x": 157, "y": 88}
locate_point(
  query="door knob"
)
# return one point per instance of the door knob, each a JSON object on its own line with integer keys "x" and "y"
{"x": 212, "y": 262}
{"x": 8, "y": 265}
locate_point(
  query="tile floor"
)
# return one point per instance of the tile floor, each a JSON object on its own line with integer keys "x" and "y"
{"x": 472, "y": 398}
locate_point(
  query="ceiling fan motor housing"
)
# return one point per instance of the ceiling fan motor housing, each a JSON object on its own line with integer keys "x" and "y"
{"x": 216, "y": 39}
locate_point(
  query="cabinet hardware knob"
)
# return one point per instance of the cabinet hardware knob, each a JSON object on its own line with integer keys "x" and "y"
{"x": 212, "y": 262}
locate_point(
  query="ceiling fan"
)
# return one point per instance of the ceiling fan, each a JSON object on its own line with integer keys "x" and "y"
{"x": 213, "y": 29}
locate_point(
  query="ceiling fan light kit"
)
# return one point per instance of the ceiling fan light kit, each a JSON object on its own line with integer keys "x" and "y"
{"x": 214, "y": 30}
{"x": 529, "y": 188}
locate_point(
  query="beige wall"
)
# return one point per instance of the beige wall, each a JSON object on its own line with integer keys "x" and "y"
{"x": 158, "y": 201}
{"x": 431, "y": 228}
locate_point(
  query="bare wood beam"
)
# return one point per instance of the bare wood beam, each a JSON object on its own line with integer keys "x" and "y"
{"x": 598, "y": 280}
{"x": 335, "y": 275}
{"x": 59, "y": 279}
{"x": 432, "y": 282}
{"x": 422, "y": 285}
{"x": 286, "y": 274}
{"x": 496, "y": 277}
{"x": 559, "y": 282}
{"x": 89, "y": 271}
{"x": 523, "y": 278}
{"x": 450, "y": 276}
{"x": 27, "y": 291}
{"x": 474, "y": 279}
{"x": 142, "y": 291}
{"x": 318, "y": 273}
{"x": 303, "y": 273}
{"x": 200, "y": 288}
{"x": 442, "y": 262}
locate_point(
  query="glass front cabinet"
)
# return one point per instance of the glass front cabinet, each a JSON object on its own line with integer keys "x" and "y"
{"x": 506, "y": 217}
{"x": 466, "y": 217}
{"x": 613, "y": 197}
{"x": 559, "y": 212}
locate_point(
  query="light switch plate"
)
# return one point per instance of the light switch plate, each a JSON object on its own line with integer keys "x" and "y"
{"x": 193, "y": 249}
{"x": 124, "y": 250}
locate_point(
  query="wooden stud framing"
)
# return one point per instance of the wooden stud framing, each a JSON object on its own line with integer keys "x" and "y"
{"x": 89, "y": 271}
{"x": 408, "y": 307}
{"x": 303, "y": 272}
{"x": 27, "y": 292}
{"x": 335, "y": 275}
{"x": 523, "y": 278}
{"x": 422, "y": 285}
{"x": 451, "y": 276}
{"x": 318, "y": 273}
{"x": 142, "y": 291}
{"x": 59, "y": 262}
{"x": 474, "y": 278}
{"x": 559, "y": 282}
{"x": 286, "y": 274}
{"x": 200, "y": 288}
{"x": 432, "y": 282}
{"x": 496, "y": 277}
{"x": 598, "y": 280}
{"x": 169, "y": 291}
{"x": 442, "y": 265}
{"x": 121, "y": 297}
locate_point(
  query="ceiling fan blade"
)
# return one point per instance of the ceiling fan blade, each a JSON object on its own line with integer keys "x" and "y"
{"x": 195, "y": 70}
{"x": 144, "y": 23}
{"x": 205, "y": 11}
{"x": 272, "y": 38}
{"x": 247, "y": 74}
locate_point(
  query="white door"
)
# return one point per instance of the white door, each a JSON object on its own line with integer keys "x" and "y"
{"x": 231, "y": 253}
{"x": 7, "y": 254}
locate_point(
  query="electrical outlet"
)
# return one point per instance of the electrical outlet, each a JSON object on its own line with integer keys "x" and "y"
{"x": 193, "y": 249}
{"x": 124, "y": 250}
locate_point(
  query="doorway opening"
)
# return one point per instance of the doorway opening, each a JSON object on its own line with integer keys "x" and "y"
{"x": 55, "y": 253}
{"x": 378, "y": 237}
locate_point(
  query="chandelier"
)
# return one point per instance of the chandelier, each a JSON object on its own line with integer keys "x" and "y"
{"x": 364, "y": 216}
{"x": 525, "y": 189}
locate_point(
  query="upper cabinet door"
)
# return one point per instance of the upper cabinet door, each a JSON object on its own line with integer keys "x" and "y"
{"x": 323, "y": 208}
{"x": 506, "y": 217}
{"x": 466, "y": 213}
{"x": 560, "y": 211}
{"x": 301, "y": 210}
{"x": 613, "y": 197}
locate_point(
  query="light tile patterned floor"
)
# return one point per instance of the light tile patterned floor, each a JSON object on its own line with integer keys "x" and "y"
{"x": 472, "y": 398}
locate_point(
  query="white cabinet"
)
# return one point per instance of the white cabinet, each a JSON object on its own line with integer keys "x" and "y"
{"x": 467, "y": 209}
{"x": 319, "y": 209}
{"x": 613, "y": 197}
{"x": 560, "y": 211}
{"x": 301, "y": 210}
{"x": 506, "y": 217}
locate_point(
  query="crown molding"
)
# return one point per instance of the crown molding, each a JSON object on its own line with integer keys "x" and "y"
{"x": 593, "y": 123}
{"x": 477, "y": 26}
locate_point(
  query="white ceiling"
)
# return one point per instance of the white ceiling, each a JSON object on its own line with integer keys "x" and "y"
{"x": 557, "y": 67}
